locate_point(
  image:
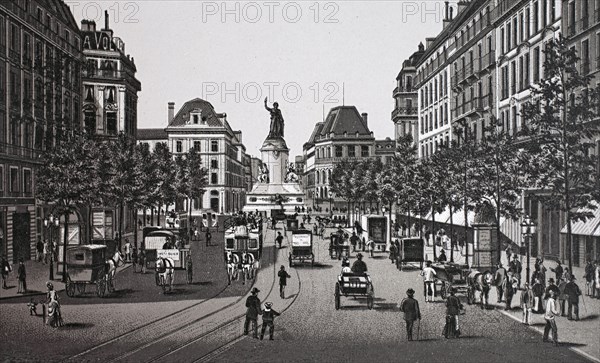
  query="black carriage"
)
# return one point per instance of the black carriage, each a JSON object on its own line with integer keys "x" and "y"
{"x": 451, "y": 275}
{"x": 411, "y": 250}
{"x": 350, "y": 284}
{"x": 301, "y": 247}
{"x": 86, "y": 265}
{"x": 338, "y": 246}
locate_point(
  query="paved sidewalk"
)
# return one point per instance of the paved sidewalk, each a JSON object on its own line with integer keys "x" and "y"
{"x": 37, "y": 277}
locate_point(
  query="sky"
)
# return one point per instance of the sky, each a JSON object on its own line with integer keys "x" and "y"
{"x": 309, "y": 56}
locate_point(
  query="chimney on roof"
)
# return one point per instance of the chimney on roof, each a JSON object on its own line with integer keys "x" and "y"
{"x": 451, "y": 13}
{"x": 365, "y": 117}
{"x": 106, "y": 20}
{"x": 421, "y": 47}
{"x": 238, "y": 134}
{"x": 447, "y": 16}
{"x": 171, "y": 112}
{"x": 447, "y": 6}
{"x": 429, "y": 41}
{"x": 462, "y": 5}
{"x": 88, "y": 25}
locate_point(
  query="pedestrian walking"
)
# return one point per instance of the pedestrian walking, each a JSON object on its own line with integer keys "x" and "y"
{"x": 127, "y": 250}
{"x": 189, "y": 269}
{"x": 562, "y": 298}
{"x": 541, "y": 270}
{"x": 573, "y": 292}
{"x": 5, "y": 269}
{"x": 54, "y": 319}
{"x": 208, "y": 237}
{"x": 252, "y": 312}
{"x": 22, "y": 277}
{"x": 410, "y": 307}
{"x": 268, "y": 320}
{"x": 526, "y": 303}
{"x": 354, "y": 240}
{"x": 392, "y": 252}
{"x": 516, "y": 268}
{"x": 273, "y": 223}
{"x": 134, "y": 259}
{"x": 283, "y": 276}
{"x": 589, "y": 278}
{"x": 597, "y": 280}
{"x": 279, "y": 239}
{"x": 558, "y": 272}
{"x": 500, "y": 282}
{"x": 453, "y": 308}
{"x": 538, "y": 294}
{"x": 371, "y": 246}
{"x": 549, "y": 316}
{"x": 39, "y": 249}
{"x": 551, "y": 286}
{"x": 512, "y": 284}
{"x": 429, "y": 274}
{"x": 142, "y": 261}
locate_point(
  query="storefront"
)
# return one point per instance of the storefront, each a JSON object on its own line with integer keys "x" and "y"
{"x": 586, "y": 239}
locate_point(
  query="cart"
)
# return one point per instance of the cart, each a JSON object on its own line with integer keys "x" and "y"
{"x": 411, "y": 250}
{"x": 301, "y": 247}
{"x": 338, "y": 246}
{"x": 354, "y": 285}
{"x": 86, "y": 265}
{"x": 451, "y": 275}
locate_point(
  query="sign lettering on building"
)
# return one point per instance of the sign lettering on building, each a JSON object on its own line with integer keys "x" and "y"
{"x": 102, "y": 41}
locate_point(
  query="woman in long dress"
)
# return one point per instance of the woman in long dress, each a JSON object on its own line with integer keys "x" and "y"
{"x": 54, "y": 314}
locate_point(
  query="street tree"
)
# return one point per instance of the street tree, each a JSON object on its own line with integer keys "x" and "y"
{"x": 192, "y": 179}
{"x": 66, "y": 179}
{"x": 166, "y": 171}
{"x": 561, "y": 124}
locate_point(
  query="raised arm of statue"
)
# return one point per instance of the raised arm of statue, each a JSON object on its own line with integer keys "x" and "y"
{"x": 267, "y": 107}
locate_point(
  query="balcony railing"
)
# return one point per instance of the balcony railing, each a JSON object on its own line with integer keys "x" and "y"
{"x": 469, "y": 107}
{"x": 101, "y": 73}
{"x": 487, "y": 60}
{"x": 19, "y": 151}
{"x": 585, "y": 67}
{"x": 404, "y": 111}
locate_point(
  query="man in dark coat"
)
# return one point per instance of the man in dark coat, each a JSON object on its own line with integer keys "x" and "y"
{"x": 516, "y": 268}
{"x": 558, "y": 271}
{"x": 283, "y": 276}
{"x": 208, "y": 236}
{"x": 538, "y": 294}
{"x": 354, "y": 241}
{"x": 253, "y": 305}
{"x": 500, "y": 281}
{"x": 268, "y": 319}
{"x": 279, "y": 239}
{"x": 573, "y": 292}
{"x": 410, "y": 307}
{"x": 359, "y": 266}
{"x": 453, "y": 307}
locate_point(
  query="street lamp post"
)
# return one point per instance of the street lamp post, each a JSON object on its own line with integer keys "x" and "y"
{"x": 50, "y": 222}
{"x": 528, "y": 228}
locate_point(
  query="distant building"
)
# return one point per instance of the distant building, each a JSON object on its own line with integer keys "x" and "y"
{"x": 404, "y": 115}
{"x": 197, "y": 125}
{"x": 40, "y": 102}
{"x": 109, "y": 107}
{"x": 385, "y": 150}
{"x": 344, "y": 135}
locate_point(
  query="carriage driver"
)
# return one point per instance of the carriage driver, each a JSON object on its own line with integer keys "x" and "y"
{"x": 359, "y": 266}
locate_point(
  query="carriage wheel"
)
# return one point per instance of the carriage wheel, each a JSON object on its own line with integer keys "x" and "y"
{"x": 370, "y": 302}
{"x": 70, "y": 287}
{"x": 80, "y": 289}
{"x": 337, "y": 296}
{"x": 101, "y": 287}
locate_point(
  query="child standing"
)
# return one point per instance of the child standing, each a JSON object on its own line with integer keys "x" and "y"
{"x": 268, "y": 317}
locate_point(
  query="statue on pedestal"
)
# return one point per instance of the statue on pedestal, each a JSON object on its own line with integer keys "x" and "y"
{"x": 276, "y": 129}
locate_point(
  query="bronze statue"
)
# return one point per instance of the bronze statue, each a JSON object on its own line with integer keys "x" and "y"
{"x": 276, "y": 129}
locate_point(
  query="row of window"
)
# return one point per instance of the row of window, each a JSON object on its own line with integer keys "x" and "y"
{"x": 430, "y": 121}
{"x": 527, "y": 23}
{"x": 435, "y": 90}
{"x": 214, "y": 146}
{"x": 20, "y": 182}
{"x": 429, "y": 146}
{"x": 350, "y": 151}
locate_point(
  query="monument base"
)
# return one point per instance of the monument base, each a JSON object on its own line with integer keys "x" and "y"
{"x": 266, "y": 197}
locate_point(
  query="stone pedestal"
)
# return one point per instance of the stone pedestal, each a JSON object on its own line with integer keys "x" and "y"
{"x": 275, "y": 154}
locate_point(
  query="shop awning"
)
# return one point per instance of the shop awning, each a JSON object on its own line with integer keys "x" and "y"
{"x": 591, "y": 226}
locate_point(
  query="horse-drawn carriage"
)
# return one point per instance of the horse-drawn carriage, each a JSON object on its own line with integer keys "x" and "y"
{"x": 451, "y": 276}
{"x": 87, "y": 265}
{"x": 411, "y": 250}
{"x": 243, "y": 248}
{"x": 339, "y": 246}
{"x": 301, "y": 247}
{"x": 354, "y": 285}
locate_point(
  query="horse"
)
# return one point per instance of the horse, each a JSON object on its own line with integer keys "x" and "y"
{"x": 165, "y": 270}
{"x": 233, "y": 261}
{"x": 481, "y": 282}
{"x": 248, "y": 266}
{"x": 116, "y": 261}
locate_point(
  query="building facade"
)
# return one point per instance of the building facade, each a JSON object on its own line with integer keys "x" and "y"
{"x": 40, "y": 102}
{"x": 197, "y": 125}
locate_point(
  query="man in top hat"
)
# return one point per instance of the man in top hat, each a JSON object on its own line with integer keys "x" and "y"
{"x": 410, "y": 307}
{"x": 453, "y": 307}
{"x": 359, "y": 266}
{"x": 268, "y": 318}
{"x": 253, "y": 305}
{"x": 573, "y": 292}
{"x": 500, "y": 281}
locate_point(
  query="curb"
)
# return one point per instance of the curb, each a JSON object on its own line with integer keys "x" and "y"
{"x": 574, "y": 349}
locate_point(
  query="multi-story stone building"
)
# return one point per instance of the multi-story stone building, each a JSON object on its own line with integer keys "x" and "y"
{"x": 109, "y": 107}
{"x": 40, "y": 102}
{"x": 344, "y": 135}
{"x": 404, "y": 115}
{"x": 197, "y": 125}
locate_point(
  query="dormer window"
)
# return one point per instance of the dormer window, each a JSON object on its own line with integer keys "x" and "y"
{"x": 196, "y": 117}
